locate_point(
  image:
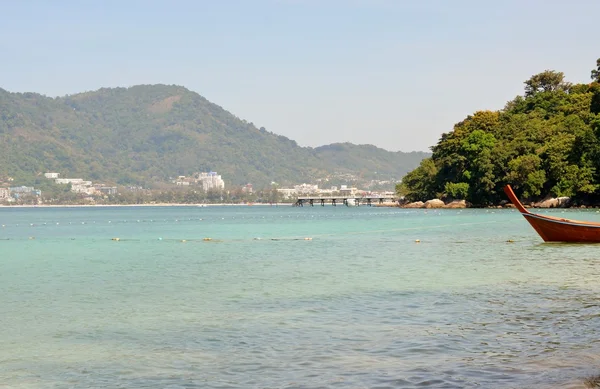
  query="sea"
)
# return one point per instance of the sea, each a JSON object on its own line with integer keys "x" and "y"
{"x": 293, "y": 297}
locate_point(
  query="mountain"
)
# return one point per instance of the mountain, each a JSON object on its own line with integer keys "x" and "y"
{"x": 147, "y": 133}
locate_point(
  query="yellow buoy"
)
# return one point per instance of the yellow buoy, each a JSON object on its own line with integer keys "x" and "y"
{"x": 207, "y": 239}
{"x": 116, "y": 239}
{"x": 417, "y": 241}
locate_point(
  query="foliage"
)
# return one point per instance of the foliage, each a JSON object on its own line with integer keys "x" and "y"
{"x": 546, "y": 142}
{"x": 547, "y": 81}
{"x": 458, "y": 191}
{"x": 596, "y": 72}
{"x": 420, "y": 183}
{"x": 146, "y": 134}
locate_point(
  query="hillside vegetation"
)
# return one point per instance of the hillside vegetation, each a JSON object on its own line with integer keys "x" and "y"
{"x": 148, "y": 133}
{"x": 546, "y": 142}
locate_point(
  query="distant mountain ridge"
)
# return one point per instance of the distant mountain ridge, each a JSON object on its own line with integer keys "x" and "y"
{"x": 147, "y": 133}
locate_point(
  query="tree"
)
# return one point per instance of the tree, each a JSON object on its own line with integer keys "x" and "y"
{"x": 524, "y": 172}
{"x": 457, "y": 191}
{"x": 547, "y": 81}
{"x": 596, "y": 72}
{"x": 420, "y": 183}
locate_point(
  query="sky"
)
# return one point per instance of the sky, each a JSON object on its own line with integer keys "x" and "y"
{"x": 396, "y": 74}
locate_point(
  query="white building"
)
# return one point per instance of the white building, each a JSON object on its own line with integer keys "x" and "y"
{"x": 306, "y": 189}
{"x": 287, "y": 192}
{"x": 345, "y": 191}
{"x": 211, "y": 180}
{"x": 74, "y": 181}
{"x": 4, "y": 193}
{"x": 81, "y": 188}
{"x": 51, "y": 175}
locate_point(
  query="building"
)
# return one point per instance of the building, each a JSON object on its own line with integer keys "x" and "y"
{"x": 75, "y": 181}
{"x": 306, "y": 189}
{"x": 345, "y": 191}
{"x": 4, "y": 193}
{"x": 287, "y": 192}
{"x": 19, "y": 191}
{"x": 108, "y": 190}
{"x": 210, "y": 181}
{"x": 51, "y": 175}
{"x": 247, "y": 188}
{"x": 83, "y": 188}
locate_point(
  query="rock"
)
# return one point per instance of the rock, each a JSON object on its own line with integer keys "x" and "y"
{"x": 418, "y": 204}
{"x": 435, "y": 203}
{"x": 509, "y": 205}
{"x": 456, "y": 204}
{"x": 560, "y": 202}
{"x": 564, "y": 202}
{"x": 547, "y": 203}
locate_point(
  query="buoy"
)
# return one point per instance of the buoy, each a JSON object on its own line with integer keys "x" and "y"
{"x": 159, "y": 238}
{"x": 307, "y": 238}
{"x": 417, "y": 241}
{"x": 31, "y": 237}
{"x": 183, "y": 240}
{"x": 510, "y": 241}
{"x": 116, "y": 239}
{"x": 257, "y": 238}
{"x": 207, "y": 239}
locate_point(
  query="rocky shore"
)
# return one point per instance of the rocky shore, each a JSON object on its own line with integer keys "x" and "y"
{"x": 550, "y": 202}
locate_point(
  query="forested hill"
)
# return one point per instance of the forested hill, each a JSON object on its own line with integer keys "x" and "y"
{"x": 148, "y": 133}
{"x": 546, "y": 142}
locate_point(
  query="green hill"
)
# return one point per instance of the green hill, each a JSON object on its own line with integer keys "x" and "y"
{"x": 546, "y": 142}
{"x": 148, "y": 133}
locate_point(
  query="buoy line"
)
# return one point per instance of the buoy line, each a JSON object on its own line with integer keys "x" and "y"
{"x": 284, "y": 238}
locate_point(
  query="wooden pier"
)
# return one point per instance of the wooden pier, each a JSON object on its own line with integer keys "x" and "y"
{"x": 343, "y": 200}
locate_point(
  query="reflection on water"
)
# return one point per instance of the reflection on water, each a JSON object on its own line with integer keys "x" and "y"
{"x": 361, "y": 305}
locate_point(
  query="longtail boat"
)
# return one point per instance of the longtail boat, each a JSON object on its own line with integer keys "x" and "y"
{"x": 556, "y": 229}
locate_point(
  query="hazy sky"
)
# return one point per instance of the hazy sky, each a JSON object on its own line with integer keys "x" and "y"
{"x": 396, "y": 74}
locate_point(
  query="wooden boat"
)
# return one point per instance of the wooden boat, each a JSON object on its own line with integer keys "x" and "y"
{"x": 555, "y": 229}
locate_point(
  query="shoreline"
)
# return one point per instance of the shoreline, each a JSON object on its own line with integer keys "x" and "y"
{"x": 141, "y": 205}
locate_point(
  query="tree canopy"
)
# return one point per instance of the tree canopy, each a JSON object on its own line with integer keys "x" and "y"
{"x": 546, "y": 142}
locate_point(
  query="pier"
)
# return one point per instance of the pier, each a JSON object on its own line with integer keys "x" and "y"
{"x": 343, "y": 200}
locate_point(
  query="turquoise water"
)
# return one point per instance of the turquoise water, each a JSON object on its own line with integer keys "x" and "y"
{"x": 360, "y": 305}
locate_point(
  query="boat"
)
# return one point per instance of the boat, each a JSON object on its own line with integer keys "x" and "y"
{"x": 556, "y": 229}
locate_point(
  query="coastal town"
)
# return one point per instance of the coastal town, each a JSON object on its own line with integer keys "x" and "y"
{"x": 199, "y": 187}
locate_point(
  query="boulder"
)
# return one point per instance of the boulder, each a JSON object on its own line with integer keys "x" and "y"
{"x": 417, "y": 204}
{"x": 560, "y": 202}
{"x": 547, "y": 203}
{"x": 564, "y": 202}
{"x": 435, "y": 203}
{"x": 456, "y": 204}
